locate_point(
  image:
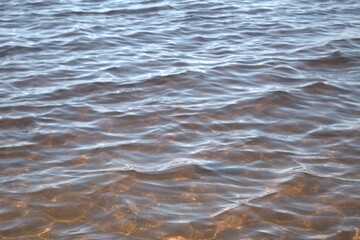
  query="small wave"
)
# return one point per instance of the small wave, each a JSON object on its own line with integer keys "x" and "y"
{"x": 79, "y": 90}
{"x": 13, "y": 50}
{"x": 17, "y": 123}
{"x": 324, "y": 88}
{"x": 112, "y": 12}
{"x": 336, "y": 60}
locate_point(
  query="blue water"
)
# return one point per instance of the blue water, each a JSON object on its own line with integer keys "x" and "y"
{"x": 179, "y": 119}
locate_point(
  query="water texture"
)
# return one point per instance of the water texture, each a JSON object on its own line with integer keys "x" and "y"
{"x": 160, "y": 119}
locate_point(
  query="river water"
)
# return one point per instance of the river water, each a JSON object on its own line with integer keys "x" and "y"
{"x": 160, "y": 119}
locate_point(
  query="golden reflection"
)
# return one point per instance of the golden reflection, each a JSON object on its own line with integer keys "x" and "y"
{"x": 69, "y": 214}
{"x": 84, "y": 158}
{"x": 127, "y": 227}
{"x": 21, "y": 204}
{"x": 176, "y": 238}
{"x": 46, "y": 230}
{"x": 357, "y": 236}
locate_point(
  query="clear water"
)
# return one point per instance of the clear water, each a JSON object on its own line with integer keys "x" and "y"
{"x": 179, "y": 119}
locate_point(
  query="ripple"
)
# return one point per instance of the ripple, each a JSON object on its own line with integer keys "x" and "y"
{"x": 179, "y": 120}
{"x": 17, "y": 123}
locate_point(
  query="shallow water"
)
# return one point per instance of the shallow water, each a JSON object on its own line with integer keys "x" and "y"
{"x": 179, "y": 119}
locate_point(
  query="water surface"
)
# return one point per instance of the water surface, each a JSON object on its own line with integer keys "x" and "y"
{"x": 159, "y": 119}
